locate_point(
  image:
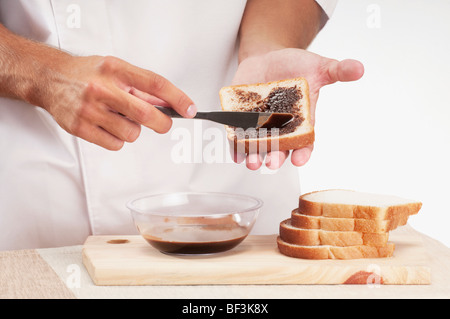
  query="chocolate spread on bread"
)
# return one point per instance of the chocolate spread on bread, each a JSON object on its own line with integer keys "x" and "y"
{"x": 247, "y": 97}
{"x": 280, "y": 100}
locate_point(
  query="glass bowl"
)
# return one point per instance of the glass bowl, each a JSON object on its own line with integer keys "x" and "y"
{"x": 194, "y": 223}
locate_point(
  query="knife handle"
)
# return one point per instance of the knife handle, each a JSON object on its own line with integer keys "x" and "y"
{"x": 172, "y": 113}
{"x": 168, "y": 111}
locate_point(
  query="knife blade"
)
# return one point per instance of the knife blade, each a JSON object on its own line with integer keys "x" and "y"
{"x": 244, "y": 120}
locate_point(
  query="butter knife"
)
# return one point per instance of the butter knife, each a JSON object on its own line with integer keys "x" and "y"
{"x": 244, "y": 120}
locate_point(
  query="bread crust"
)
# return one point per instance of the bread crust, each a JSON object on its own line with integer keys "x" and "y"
{"x": 283, "y": 142}
{"x": 317, "y": 237}
{"x": 346, "y": 224}
{"x": 311, "y": 208}
{"x": 333, "y": 252}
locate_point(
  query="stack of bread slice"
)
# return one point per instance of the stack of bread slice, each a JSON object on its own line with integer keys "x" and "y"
{"x": 344, "y": 224}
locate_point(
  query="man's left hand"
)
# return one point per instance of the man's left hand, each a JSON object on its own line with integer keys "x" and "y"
{"x": 291, "y": 63}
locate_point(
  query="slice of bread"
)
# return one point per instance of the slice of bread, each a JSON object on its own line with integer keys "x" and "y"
{"x": 334, "y": 252}
{"x": 347, "y": 224}
{"x": 285, "y": 96}
{"x": 352, "y": 204}
{"x": 318, "y": 237}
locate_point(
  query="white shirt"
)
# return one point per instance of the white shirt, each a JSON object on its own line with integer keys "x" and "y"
{"x": 328, "y": 6}
{"x": 57, "y": 189}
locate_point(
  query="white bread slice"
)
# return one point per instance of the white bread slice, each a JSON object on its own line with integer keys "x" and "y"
{"x": 270, "y": 97}
{"x": 318, "y": 237}
{"x": 347, "y": 224}
{"x": 334, "y": 252}
{"x": 352, "y": 204}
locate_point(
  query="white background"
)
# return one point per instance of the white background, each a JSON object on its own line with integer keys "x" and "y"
{"x": 390, "y": 131}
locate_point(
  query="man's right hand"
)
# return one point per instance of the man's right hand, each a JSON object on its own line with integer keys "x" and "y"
{"x": 103, "y": 100}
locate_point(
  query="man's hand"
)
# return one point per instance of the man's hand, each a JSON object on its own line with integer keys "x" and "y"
{"x": 103, "y": 100}
{"x": 290, "y": 63}
{"x": 273, "y": 36}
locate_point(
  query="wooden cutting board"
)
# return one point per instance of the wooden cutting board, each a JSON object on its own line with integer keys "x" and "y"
{"x": 130, "y": 260}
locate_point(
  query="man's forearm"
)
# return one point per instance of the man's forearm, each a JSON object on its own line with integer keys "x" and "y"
{"x": 274, "y": 24}
{"x": 25, "y": 67}
{"x": 92, "y": 97}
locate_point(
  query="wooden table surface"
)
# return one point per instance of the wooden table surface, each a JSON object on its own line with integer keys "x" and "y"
{"x": 60, "y": 273}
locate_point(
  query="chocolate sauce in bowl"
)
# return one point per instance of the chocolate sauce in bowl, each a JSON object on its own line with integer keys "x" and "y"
{"x": 175, "y": 247}
{"x": 198, "y": 239}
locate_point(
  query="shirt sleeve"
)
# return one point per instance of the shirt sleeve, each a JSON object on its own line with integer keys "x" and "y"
{"x": 328, "y": 6}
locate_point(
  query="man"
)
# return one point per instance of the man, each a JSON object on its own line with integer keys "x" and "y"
{"x": 79, "y": 81}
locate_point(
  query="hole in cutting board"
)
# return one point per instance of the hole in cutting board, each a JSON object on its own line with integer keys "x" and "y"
{"x": 118, "y": 241}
